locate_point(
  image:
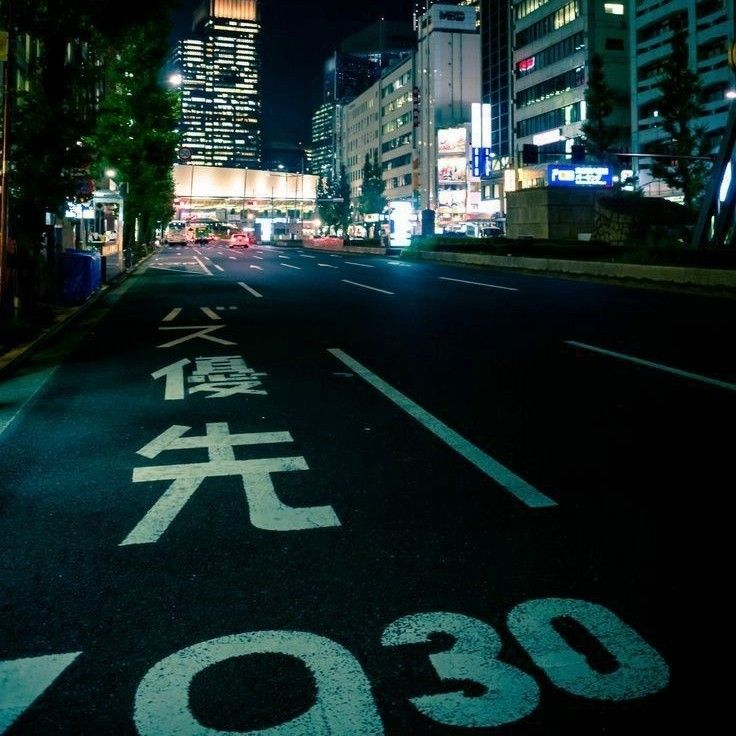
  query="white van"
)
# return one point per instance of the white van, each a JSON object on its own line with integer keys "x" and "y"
{"x": 175, "y": 233}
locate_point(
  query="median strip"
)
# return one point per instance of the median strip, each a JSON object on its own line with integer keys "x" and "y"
{"x": 515, "y": 485}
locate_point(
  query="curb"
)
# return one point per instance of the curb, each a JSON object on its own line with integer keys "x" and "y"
{"x": 17, "y": 355}
{"x": 638, "y": 273}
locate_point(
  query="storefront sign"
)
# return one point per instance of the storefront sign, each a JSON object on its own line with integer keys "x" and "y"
{"x": 481, "y": 162}
{"x": 568, "y": 175}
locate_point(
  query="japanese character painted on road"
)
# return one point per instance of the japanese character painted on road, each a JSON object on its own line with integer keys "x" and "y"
{"x": 203, "y": 332}
{"x": 219, "y": 376}
{"x": 266, "y": 510}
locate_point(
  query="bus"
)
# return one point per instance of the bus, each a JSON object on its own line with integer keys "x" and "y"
{"x": 175, "y": 233}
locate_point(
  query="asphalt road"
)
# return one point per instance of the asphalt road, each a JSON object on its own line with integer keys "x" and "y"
{"x": 288, "y": 492}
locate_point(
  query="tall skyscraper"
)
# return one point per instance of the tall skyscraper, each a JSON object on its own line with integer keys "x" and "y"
{"x": 219, "y": 65}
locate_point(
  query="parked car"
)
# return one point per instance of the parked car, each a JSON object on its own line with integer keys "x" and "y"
{"x": 242, "y": 240}
{"x": 491, "y": 232}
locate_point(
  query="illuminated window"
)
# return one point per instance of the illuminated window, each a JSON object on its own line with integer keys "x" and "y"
{"x": 613, "y": 8}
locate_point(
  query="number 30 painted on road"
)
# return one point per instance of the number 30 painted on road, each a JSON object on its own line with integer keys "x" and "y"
{"x": 343, "y": 701}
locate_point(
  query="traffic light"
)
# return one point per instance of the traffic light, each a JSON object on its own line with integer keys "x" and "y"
{"x": 578, "y": 153}
{"x": 530, "y": 154}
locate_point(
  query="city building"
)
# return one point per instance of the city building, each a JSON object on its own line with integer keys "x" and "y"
{"x": 326, "y": 126}
{"x": 710, "y": 26}
{"x": 497, "y": 86}
{"x": 448, "y": 83}
{"x": 554, "y": 41}
{"x": 218, "y": 71}
{"x": 416, "y": 119}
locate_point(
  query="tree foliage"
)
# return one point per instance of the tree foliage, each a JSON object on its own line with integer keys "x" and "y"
{"x": 680, "y": 105}
{"x": 600, "y": 134}
{"x": 371, "y": 199}
{"x": 56, "y": 132}
{"x": 334, "y": 207}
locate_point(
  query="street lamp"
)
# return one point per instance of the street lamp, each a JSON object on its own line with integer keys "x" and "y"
{"x": 175, "y": 79}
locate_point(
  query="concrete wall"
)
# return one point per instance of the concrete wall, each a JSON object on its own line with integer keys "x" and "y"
{"x": 551, "y": 213}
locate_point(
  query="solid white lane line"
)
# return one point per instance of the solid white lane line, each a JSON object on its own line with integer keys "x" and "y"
{"x": 288, "y": 265}
{"x": 219, "y": 268}
{"x": 257, "y": 268}
{"x": 204, "y": 268}
{"x": 326, "y": 265}
{"x": 365, "y": 286}
{"x": 515, "y": 485}
{"x": 210, "y": 313}
{"x": 478, "y": 283}
{"x": 658, "y": 366}
{"x": 363, "y": 265}
{"x": 172, "y": 315}
{"x": 250, "y": 290}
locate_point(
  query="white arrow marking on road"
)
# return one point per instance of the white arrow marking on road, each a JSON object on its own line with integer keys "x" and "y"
{"x": 288, "y": 265}
{"x": 515, "y": 485}
{"x": 326, "y": 265}
{"x": 249, "y": 289}
{"x": 365, "y": 286}
{"x": 172, "y": 315}
{"x": 362, "y": 265}
{"x": 478, "y": 283}
{"x": 23, "y": 680}
{"x": 204, "y": 268}
{"x": 658, "y": 366}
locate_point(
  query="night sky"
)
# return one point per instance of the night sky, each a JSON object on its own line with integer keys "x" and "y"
{"x": 297, "y": 37}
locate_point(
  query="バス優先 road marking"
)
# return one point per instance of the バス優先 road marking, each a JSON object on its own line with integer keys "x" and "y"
{"x": 249, "y": 289}
{"x": 172, "y": 315}
{"x": 203, "y": 267}
{"x": 219, "y": 268}
{"x": 515, "y": 485}
{"x": 210, "y": 313}
{"x": 362, "y": 265}
{"x": 365, "y": 286}
{"x": 288, "y": 265}
{"x": 651, "y": 364}
{"x": 478, "y": 283}
{"x": 326, "y": 265}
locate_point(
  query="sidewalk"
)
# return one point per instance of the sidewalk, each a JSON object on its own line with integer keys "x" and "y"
{"x": 15, "y": 349}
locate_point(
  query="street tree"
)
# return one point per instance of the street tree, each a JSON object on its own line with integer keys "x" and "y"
{"x": 599, "y": 132}
{"x": 325, "y": 205}
{"x": 372, "y": 201}
{"x": 342, "y": 191}
{"x": 680, "y": 106}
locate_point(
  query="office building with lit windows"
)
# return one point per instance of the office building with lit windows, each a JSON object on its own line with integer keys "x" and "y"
{"x": 710, "y": 24}
{"x": 219, "y": 68}
{"x": 553, "y": 42}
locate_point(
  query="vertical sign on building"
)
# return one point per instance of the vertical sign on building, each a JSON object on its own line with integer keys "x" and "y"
{"x": 481, "y": 157}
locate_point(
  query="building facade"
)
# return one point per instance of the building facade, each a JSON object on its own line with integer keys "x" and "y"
{"x": 219, "y": 71}
{"x": 710, "y": 26}
{"x": 553, "y": 44}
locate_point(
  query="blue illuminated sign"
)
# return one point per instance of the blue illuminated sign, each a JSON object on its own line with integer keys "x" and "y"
{"x": 481, "y": 162}
{"x": 570, "y": 175}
